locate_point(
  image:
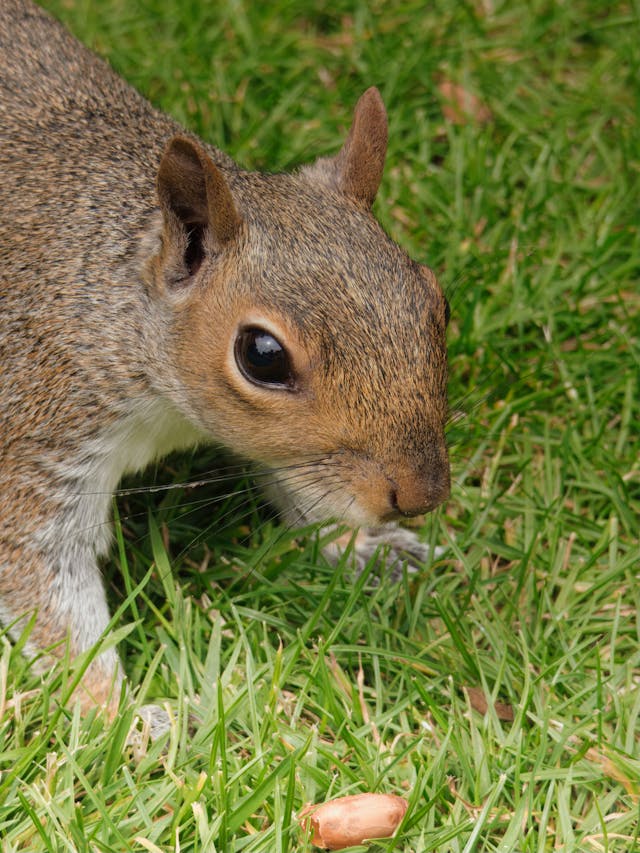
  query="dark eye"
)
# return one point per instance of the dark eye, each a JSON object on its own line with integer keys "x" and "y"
{"x": 262, "y": 359}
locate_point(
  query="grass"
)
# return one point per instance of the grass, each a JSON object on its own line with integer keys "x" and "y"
{"x": 289, "y": 682}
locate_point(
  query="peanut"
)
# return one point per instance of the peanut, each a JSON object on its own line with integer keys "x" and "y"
{"x": 351, "y": 820}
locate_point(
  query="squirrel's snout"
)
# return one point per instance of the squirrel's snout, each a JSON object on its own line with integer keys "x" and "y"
{"x": 418, "y": 493}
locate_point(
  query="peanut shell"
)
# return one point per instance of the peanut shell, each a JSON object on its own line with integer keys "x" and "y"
{"x": 347, "y": 821}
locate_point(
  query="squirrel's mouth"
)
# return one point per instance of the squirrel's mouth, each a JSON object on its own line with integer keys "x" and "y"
{"x": 305, "y": 496}
{"x": 348, "y": 516}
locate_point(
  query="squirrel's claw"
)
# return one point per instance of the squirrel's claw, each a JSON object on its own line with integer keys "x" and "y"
{"x": 394, "y": 548}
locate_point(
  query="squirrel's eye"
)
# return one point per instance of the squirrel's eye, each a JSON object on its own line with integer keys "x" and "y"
{"x": 262, "y": 359}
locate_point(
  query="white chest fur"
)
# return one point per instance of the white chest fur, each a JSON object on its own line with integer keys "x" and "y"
{"x": 149, "y": 432}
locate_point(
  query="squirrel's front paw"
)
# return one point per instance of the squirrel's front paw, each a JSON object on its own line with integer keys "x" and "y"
{"x": 149, "y": 723}
{"x": 396, "y": 547}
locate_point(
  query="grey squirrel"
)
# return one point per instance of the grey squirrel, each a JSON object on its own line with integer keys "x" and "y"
{"x": 154, "y": 295}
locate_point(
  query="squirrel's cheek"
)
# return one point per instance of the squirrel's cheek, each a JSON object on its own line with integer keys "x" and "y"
{"x": 276, "y": 428}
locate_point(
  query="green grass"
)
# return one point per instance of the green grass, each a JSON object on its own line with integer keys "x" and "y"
{"x": 288, "y": 681}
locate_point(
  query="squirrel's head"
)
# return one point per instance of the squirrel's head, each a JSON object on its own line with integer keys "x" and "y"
{"x": 301, "y": 336}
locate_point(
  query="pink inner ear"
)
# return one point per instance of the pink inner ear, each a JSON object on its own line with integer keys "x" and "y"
{"x": 360, "y": 163}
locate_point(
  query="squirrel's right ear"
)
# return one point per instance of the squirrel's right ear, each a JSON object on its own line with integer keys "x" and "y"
{"x": 199, "y": 213}
{"x": 356, "y": 170}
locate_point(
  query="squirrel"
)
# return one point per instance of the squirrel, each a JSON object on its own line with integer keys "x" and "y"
{"x": 155, "y": 296}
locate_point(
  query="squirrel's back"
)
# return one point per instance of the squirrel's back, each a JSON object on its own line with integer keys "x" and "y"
{"x": 66, "y": 121}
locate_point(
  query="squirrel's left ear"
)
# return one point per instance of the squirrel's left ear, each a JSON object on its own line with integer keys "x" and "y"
{"x": 357, "y": 169}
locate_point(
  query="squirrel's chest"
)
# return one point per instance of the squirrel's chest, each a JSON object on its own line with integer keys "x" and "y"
{"x": 86, "y": 479}
{"x": 149, "y": 432}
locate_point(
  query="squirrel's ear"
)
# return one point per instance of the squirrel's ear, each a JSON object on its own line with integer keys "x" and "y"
{"x": 196, "y": 202}
{"x": 357, "y": 169}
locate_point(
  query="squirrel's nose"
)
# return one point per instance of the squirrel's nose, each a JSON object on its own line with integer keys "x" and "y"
{"x": 418, "y": 493}
{"x": 410, "y": 505}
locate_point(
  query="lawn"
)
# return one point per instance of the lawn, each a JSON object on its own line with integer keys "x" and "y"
{"x": 498, "y": 689}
